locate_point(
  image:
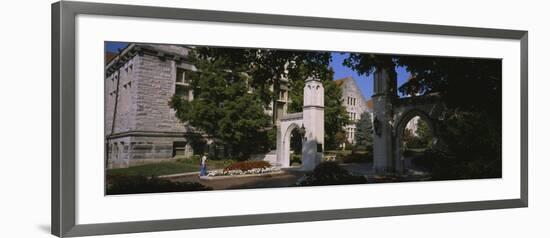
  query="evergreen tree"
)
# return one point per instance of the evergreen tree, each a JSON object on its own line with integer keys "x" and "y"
{"x": 364, "y": 135}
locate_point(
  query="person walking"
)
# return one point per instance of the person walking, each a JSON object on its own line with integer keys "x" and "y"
{"x": 203, "y": 165}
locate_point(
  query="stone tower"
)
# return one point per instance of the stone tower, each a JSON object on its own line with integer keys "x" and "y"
{"x": 314, "y": 123}
{"x": 383, "y": 97}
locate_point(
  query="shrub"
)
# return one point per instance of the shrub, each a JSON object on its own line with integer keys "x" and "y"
{"x": 357, "y": 158}
{"x": 329, "y": 173}
{"x": 445, "y": 166}
{"x": 132, "y": 184}
{"x": 296, "y": 159}
{"x": 248, "y": 165}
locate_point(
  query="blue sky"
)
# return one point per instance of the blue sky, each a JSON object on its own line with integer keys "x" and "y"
{"x": 114, "y": 46}
{"x": 365, "y": 83}
{"x": 340, "y": 71}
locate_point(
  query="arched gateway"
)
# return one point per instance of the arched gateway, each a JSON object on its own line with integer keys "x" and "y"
{"x": 391, "y": 115}
{"x": 311, "y": 125}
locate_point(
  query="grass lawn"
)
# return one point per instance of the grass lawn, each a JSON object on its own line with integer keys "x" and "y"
{"x": 172, "y": 167}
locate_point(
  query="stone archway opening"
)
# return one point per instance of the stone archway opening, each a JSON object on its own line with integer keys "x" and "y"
{"x": 415, "y": 135}
{"x": 287, "y": 151}
{"x": 296, "y": 146}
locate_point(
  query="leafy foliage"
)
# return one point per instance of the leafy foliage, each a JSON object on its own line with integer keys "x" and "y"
{"x": 468, "y": 155}
{"x": 223, "y": 108}
{"x": 340, "y": 138}
{"x": 423, "y": 131}
{"x": 266, "y": 67}
{"x": 451, "y": 77}
{"x": 420, "y": 138}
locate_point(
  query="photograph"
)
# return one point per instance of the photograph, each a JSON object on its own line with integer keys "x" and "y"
{"x": 184, "y": 118}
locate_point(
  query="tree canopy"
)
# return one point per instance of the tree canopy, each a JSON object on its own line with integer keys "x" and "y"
{"x": 223, "y": 108}
{"x": 465, "y": 84}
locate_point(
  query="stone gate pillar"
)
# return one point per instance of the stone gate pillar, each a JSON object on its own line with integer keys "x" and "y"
{"x": 314, "y": 123}
{"x": 383, "y": 97}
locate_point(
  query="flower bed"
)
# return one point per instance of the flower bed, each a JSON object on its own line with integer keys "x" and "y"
{"x": 245, "y": 167}
{"x": 248, "y": 165}
{"x": 240, "y": 172}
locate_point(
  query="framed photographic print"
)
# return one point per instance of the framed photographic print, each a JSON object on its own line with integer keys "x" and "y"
{"x": 167, "y": 119}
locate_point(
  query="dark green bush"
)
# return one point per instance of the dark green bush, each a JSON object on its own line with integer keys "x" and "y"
{"x": 296, "y": 159}
{"x": 417, "y": 143}
{"x": 329, "y": 173}
{"x": 133, "y": 184}
{"x": 444, "y": 166}
{"x": 357, "y": 158}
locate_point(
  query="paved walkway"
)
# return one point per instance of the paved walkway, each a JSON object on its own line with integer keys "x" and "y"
{"x": 286, "y": 179}
{"x": 289, "y": 177}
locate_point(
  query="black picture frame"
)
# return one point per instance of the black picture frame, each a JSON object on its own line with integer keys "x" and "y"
{"x": 64, "y": 135}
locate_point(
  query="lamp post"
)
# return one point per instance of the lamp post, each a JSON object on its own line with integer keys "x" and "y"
{"x": 302, "y": 131}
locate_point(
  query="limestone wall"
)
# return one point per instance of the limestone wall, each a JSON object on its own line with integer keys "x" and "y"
{"x": 140, "y": 126}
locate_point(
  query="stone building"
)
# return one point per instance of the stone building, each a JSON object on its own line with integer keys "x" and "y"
{"x": 355, "y": 104}
{"x": 140, "y": 126}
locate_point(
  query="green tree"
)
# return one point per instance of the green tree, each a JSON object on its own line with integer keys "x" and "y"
{"x": 424, "y": 133}
{"x": 474, "y": 145}
{"x": 340, "y": 137}
{"x": 364, "y": 135}
{"x": 267, "y": 68}
{"x": 223, "y": 108}
{"x": 450, "y": 77}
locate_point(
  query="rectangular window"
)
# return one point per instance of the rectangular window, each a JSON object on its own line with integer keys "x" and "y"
{"x": 182, "y": 91}
{"x": 180, "y": 76}
{"x": 178, "y": 148}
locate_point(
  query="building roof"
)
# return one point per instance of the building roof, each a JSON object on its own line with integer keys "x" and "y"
{"x": 341, "y": 81}
{"x": 178, "y": 53}
{"x": 109, "y": 56}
